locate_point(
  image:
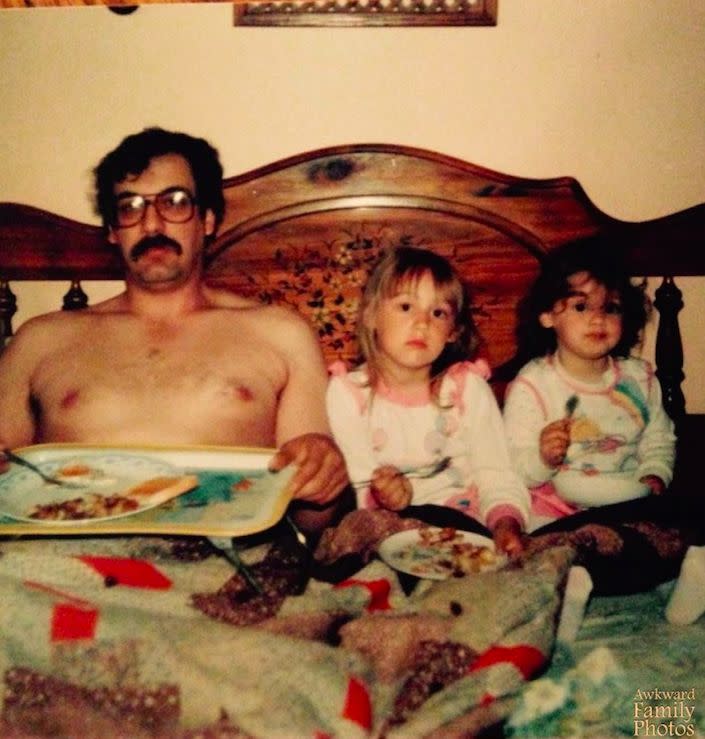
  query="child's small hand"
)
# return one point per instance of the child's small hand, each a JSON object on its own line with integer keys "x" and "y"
{"x": 554, "y": 442}
{"x": 507, "y": 536}
{"x": 390, "y": 488}
{"x": 654, "y": 482}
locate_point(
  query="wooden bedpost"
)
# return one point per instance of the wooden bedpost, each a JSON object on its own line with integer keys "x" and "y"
{"x": 8, "y": 308}
{"x": 669, "y": 348}
{"x": 75, "y": 298}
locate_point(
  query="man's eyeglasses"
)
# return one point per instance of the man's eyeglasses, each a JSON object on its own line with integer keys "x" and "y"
{"x": 175, "y": 205}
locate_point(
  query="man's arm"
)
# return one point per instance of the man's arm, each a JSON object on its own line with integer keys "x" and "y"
{"x": 17, "y": 362}
{"x": 303, "y": 434}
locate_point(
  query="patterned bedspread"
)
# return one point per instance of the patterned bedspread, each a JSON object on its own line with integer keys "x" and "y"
{"x": 151, "y": 637}
{"x": 630, "y": 673}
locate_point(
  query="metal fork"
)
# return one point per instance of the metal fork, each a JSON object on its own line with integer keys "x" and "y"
{"x": 420, "y": 473}
{"x": 570, "y": 405}
{"x": 16, "y": 459}
{"x": 228, "y": 548}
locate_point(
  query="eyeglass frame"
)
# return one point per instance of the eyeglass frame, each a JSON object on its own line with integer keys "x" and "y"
{"x": 153, "y": 199}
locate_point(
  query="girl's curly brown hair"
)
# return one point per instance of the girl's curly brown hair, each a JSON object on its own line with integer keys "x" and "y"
{"x": 604, "y": 262}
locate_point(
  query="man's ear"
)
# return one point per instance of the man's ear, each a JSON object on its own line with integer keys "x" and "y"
{"x": 546, "y": 320}
{"x": 209, "y": 222}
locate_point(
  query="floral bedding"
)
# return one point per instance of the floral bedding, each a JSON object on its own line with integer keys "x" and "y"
{"x": 629, "y": 673}
{"x": 156, "y": 637}
{"x": 152, "y": 637}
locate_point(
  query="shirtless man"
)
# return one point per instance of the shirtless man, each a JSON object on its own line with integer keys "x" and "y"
{"x": 169, "y": 360}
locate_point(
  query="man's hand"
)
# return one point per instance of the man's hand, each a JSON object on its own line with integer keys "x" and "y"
{"x": 554, "y": 442}
{"x": 321, "y": 473}
{"x": 390, "y": 488}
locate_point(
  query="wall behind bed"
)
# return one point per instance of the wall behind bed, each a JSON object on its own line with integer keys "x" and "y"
{"x": 610, "y": 93}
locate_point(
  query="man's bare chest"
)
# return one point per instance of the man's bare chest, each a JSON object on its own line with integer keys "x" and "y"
{"x": 199, "y": 368}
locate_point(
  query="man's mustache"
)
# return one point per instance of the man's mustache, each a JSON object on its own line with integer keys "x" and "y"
{"x": 152, "y": 242}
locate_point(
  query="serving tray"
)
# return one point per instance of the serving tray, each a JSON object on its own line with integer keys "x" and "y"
{"x": 235, "y": 494}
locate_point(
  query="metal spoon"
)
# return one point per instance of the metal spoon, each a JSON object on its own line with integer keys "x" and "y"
{"x": 16, "y": 459}
{"x": 300, "y": 536}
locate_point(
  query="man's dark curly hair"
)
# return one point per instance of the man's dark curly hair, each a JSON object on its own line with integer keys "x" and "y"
{"x": 603, "y": 261}
{"x": 133, "y": 155}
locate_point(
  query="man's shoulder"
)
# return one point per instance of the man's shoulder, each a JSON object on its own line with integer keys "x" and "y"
{"x": 278, "y": 326}
{"x": 47, "y": 323}
{"x": 254, "y": 309}
{"x": 41, "y": 334}
{"x": 222, "y": 298}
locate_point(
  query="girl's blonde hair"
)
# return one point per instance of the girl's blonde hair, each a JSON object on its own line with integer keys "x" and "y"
{"x": 408, "y": 264}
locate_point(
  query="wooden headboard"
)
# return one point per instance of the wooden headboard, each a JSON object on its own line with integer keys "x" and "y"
{"x": 305, "y": 231}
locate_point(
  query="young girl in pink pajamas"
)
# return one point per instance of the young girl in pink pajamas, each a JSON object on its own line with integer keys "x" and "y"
{"x": 417, "y": 422}
{"x": 586, "y": 427}
{"x": 585, "y": 422}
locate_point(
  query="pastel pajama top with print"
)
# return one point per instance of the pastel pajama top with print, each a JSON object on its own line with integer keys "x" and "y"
{"x": 620, "y": 433}
{"x": 410, "y": 431}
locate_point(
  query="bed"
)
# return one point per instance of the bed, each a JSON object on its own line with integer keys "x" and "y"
{"x": 143, "y": 636}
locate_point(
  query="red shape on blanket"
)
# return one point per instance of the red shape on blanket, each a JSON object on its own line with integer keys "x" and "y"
{"x": 528, "y": 660}
{"x": 71, "y": 622}
{"x": 134, "y": 573}
{"x": 379, "y": 592}
{"x": 487, "y": 699}
{"x": 358, "y": 707}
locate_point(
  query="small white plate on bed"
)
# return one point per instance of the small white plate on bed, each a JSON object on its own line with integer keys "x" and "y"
{"x": 100, "y": 475}
{"x": 437, "y": 554}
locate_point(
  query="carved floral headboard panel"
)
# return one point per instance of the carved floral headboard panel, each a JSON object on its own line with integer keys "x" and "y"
{"x": 322, "y": 273}
{"x": 309, "y": 230}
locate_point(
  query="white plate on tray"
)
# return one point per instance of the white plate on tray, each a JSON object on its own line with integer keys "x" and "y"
{"x": 104, "y": 475}
{"x": 231, "y": 493}
{"x": 428, "y": 555}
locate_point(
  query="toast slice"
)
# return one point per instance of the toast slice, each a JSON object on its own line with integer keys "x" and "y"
{"x": 158, "y": 490}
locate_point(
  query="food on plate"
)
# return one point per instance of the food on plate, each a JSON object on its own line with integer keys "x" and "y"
{"x": 446, "y": 552}
{"x": 467, "y": 558}
{"x": 84, "y": 475}
{"x": 146, "y": 493}
{"x": 153, "y": 486}
{"x": 75, "y": 470}
{"x": 89, "y": 506}
{"x": 432, "y": 536}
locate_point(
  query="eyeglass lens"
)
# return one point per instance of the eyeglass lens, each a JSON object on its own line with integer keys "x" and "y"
{"x": 174, "y": 205}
